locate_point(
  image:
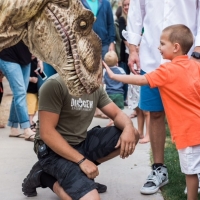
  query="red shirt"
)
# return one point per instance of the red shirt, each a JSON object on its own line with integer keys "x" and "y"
{"x": 179, "y": 86}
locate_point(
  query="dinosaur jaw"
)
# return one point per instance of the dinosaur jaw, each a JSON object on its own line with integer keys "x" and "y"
{"x": 74, "y": 51}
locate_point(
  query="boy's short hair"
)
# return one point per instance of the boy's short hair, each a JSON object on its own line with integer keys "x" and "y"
{"x": 181, "y": 34}
{"x": 111, "y": 58}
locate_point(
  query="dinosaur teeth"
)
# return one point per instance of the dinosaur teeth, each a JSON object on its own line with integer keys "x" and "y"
{"x": 69, "y": 68}
{"x": 72, "y": 73}
{"x": 70, "y": 60}
{"x": 69, "y": 65}
{"x": 77, "y": 84}
{"x": 72, "y": 78}
{"x": 76, "y": 81}
{"x": 69, "y": 57}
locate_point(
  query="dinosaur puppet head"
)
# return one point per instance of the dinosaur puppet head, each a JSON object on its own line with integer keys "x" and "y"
{"x": 59, "y": 33}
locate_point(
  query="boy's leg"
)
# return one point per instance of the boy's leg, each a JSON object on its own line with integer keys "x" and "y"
{"x": 140, "y": 122}
{"x": 147, "y": 124}
{"x": 190, "y": 165}
{"x": 192, "y": 183}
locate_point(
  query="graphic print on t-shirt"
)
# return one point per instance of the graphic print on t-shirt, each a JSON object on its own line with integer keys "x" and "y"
{"x": 80, "y": 104}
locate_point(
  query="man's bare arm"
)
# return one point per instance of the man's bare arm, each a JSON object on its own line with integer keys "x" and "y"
{"x": 129, "y": 137}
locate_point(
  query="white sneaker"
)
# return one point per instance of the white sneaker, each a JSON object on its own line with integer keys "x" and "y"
{"x": 157, "y": 179}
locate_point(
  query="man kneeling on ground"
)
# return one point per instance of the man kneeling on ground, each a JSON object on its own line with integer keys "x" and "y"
{"x": 69, "y": 154}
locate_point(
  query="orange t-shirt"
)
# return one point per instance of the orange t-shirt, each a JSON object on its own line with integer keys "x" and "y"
{"x": 179, "y": 85}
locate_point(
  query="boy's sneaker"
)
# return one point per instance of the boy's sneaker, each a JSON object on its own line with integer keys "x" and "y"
{"x": 157, "y": 179}
{"x": 32, "y": 181}
{"x": 185, "y": 191}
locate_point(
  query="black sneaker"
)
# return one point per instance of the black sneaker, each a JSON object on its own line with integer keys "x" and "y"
{"x": 32, "y": 181}
{"x": 101, "y": 188}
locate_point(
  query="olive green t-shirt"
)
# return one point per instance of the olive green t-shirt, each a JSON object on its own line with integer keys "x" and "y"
{"x": 75, "y": 113}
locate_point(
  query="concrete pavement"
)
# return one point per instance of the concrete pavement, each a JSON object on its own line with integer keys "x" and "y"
{"x": 123, "y": 178}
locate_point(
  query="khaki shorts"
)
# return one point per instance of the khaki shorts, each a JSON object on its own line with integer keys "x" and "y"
{"x": 32, "y": 103}
{"x": 190, "y": 160}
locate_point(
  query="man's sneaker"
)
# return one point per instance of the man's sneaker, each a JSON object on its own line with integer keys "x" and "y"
{"x": 185, "y": 191}
{"x": 157, "y": 179}
{"x": 32, "y": 181}
{"x": 101, "y": 188}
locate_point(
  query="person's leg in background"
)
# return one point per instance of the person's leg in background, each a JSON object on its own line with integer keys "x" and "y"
{"x": 1, "y": 96}
{"x": 32, "y": 104}
{"x": 18, "y": 79}
{"x": 140, "y": 122}
{"x": 143, "y": 118}
{"x": 150, "y": 100}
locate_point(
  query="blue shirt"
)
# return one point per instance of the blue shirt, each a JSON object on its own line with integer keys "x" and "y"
{"x": 112, "y": 86}
{"x": 93, "y": 5}
{"x": 104, "y": 25}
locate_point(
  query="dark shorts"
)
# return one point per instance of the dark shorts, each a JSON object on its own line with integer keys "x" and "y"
{"x": 99, "y": 143}
{"x": 118, "y": 99}
{"x": 150, "y": 99}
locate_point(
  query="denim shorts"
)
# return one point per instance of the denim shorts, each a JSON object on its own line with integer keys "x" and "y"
{"x": 150, "y": 99}
{"x": 99, "y": 143}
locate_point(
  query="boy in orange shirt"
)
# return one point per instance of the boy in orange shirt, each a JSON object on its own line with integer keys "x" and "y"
{"x": 179, "y": 85}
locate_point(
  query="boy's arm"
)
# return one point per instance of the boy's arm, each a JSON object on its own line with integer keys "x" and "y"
{"x": 129, "y": 79}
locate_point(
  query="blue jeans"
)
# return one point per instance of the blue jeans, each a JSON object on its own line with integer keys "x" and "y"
{"x": 49, "y": 71}
{"x": 18, "y": 78}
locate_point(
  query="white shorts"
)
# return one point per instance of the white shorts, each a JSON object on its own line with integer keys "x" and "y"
{"x": 133, "y": 96}
{"x": 190, "y": 159}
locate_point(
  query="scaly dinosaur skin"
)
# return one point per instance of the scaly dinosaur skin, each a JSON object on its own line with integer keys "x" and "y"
{"x": 59, "y": 33}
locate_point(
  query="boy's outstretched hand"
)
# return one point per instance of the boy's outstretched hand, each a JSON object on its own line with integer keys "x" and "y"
{"x": 109, "y": 71}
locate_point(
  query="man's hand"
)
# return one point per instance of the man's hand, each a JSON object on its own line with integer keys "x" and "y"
{"x": 33, "y": 79}
{"x": 133, "y": 59}
{"x": 39, "y": 65}
{"x": 127, "y": 141}
{"x": 89, "y": 168}
{"x": 111, "y": 47}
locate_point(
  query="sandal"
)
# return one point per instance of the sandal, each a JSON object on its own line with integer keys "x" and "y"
{"x": 31, "y": 138}
{"x": 33, "y": 127}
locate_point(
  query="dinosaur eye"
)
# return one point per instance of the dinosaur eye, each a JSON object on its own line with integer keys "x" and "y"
{"x": 83, "y": 24}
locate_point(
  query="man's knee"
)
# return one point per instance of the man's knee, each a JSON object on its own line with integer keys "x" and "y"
{"x": 92, "y": 195}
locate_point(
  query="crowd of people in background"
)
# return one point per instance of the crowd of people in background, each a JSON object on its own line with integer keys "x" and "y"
{"x": 129, "y": 46}
{"x": 112, "y": 40}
